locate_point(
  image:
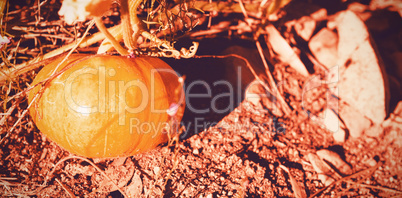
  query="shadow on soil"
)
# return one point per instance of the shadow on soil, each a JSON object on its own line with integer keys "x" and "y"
{"x": 214, "y": 86}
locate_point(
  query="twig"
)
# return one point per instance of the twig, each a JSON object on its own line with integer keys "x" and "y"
{"x": 66, "y": 189}
{"x": 285, "y": 106}
{"x": 35, "y": 65}
{"x": 210, "y": 16}
{"x": 371, "y": 170}
{"x": 243, "y": 9}
{"x": 75, "y": 47}
{"x": 376, "y": 187}
{"x": 271, "y": 82}
{"x": 35, "y": 35}
{"x": 19, "y": 120}
{"x": 50, "y": 78}
{"x": 176, "y": 131}
{"x": 30, "y": 65}
{"x": 297, "y": 190}
{"x": 8, "y": 113}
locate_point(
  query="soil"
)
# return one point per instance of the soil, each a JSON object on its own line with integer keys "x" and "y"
{"x": 246, "y": 151}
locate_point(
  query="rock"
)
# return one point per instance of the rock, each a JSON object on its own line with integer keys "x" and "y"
{"x": 374, "y": 131}
{"x": 157, "y": 170}
{"x": 332, "y": 123}
{"x": 393, "y": 5}
{"x": 362, "y": 78}
{"x": 324, "y": 46}
{"x": 357, "y": 7}
{"x": 319, "y": 15}
{"x": 354, "y": 121}
{"x": 398, "y": 110}
{"x": 334, "y": 159}
{"x": 360, "y": 9}
{"x": 340, "y": 135}
{"x": 305, "y": 27}
{"x": 305, "y": 21}
{"x": 196, "y": 151}
{"x": 394, "y": 122}
{"x": 331, "y": 120}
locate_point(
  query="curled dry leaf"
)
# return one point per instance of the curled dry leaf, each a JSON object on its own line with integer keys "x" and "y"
{"x": 325, "y": 173}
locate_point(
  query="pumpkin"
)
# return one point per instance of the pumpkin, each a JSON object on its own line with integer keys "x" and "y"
{"x": 106, "y": 106}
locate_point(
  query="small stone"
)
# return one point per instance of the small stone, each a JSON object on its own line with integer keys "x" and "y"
{"x": 323, "y": 45}
{"x": 371, "y": 162}
{"x": 196, "y": 152}
{"x": 319, "y": 15}
{"x": 374, "y": 131}
{"x": 339, "y": 136}
{"x": 305, "y": 27}
{"x": 357, "y": 7}
{"x": 157, "y": 170}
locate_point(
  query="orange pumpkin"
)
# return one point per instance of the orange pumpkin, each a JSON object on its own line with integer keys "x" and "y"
{"x": 107, "y": 106}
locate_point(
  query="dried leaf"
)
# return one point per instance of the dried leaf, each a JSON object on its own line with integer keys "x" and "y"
{"x": 334, "y": 159}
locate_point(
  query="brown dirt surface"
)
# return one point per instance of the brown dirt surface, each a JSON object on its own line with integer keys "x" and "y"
{"x": 247, "y": 152}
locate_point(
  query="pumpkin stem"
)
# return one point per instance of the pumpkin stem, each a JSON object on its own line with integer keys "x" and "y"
{"x": 135, "y": 21}
{"x": 115, "y": 43}
{"x": 129, "y": 41}
{"x": 131, "y": 23}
